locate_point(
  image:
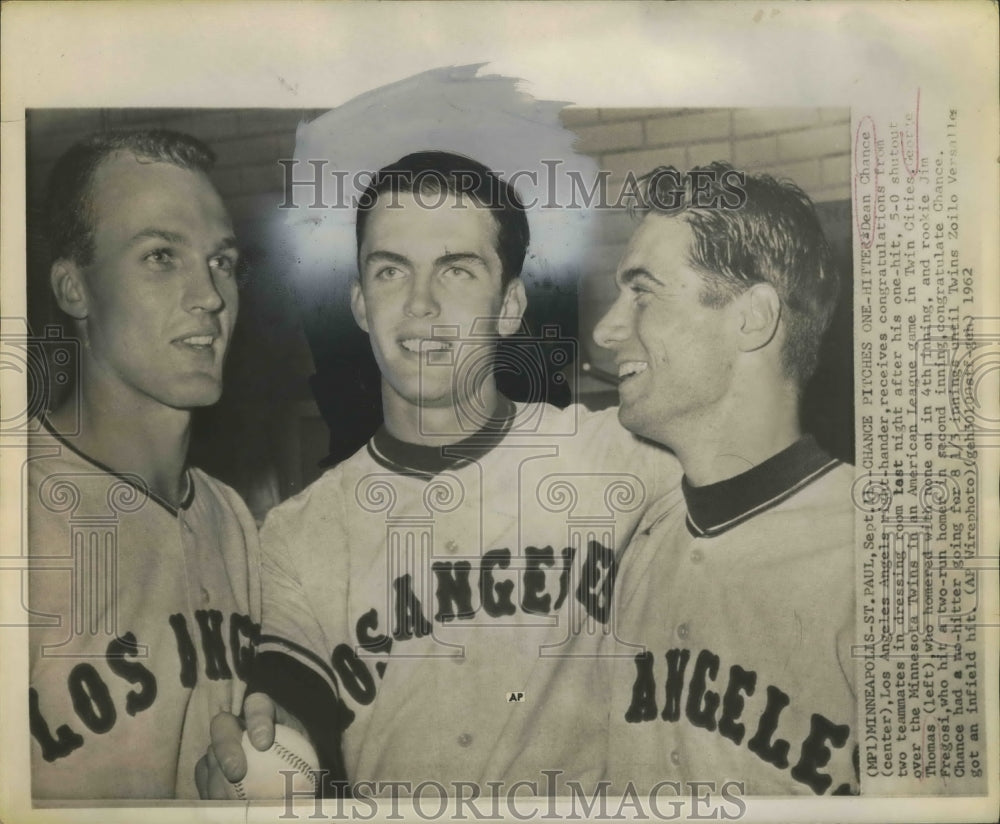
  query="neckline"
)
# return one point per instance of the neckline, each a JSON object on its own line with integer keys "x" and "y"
{"x": 715, "y": 508}
{"x": 425, "y": 462}
{"x": 186, "y": 500}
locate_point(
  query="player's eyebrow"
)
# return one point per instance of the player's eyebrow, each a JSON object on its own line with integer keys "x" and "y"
{"x": 227, "y": 244}
{"x": 637, "y": 273}
{"x": 388, "y": 257}
{"x": 460, "y": 257}
{"x": 152, "y": 233}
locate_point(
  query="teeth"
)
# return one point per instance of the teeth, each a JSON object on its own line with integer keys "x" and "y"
{"x": 425, "y": 345}
{"x": 630, "y": 368}
{"x": 199, "y": 340}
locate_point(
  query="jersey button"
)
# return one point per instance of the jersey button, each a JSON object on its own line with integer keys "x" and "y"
{"x": 675, "y": 758}
{"x": 683, "y": 631}
{"x": 697, "y": 556}
{"x": 205, "y": 597}
{"x": 464, "y": 740}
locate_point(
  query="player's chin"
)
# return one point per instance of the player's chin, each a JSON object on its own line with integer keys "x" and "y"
{"x": 632, "y": 418}
{"x": 430, "y": 398}
{"x": 427, "y": 390}
{"x": 196, "y": 392}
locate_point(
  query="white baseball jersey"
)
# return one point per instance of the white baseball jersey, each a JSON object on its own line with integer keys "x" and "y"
{"x": 144, "y": 621}
{"x": 739, "y": 597}
{"x": 440, "y": 607}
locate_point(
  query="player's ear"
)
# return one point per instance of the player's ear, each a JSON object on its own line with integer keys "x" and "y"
{"x": 69, "y": 288}
{"x": 515, "y": 301}
{"x": 759, "y": 315}
{"x": 358, "y": 305}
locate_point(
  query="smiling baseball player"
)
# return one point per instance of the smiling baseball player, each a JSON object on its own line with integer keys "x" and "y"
{"x": 741, "y": 593}
{"x": 144, "y": 570}
{"x": 430, "y": 604}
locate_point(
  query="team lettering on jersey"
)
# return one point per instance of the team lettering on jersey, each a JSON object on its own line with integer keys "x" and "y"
{"x": 455, "y": 595}
{"x": 722, "y": 714}
{"x": 91, "y": 696}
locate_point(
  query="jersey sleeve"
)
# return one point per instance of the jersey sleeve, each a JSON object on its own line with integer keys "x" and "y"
{"x": 250, "y": 544}
{"x": 613, "y": 446}
{"x": 239, "y": 544}
{"x": 292, "y": 664}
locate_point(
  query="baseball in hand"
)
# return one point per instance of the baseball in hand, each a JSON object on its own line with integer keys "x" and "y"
{"x": 265, "y": 777}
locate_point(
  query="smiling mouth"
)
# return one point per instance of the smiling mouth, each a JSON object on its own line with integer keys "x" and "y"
{"x": 198, "y": 341}
{"x": 629, "y": 369}
{"x": 418, "y": 345}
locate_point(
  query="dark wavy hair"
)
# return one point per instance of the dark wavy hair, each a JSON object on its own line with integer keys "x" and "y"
{"x": 434, "y": 172}
{"x": 754, "y": 229}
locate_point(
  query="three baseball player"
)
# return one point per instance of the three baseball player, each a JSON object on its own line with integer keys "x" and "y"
{"x": 475, "y": 548}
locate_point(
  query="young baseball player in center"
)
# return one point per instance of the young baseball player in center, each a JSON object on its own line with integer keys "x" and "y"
{"x": 433, "y": 603}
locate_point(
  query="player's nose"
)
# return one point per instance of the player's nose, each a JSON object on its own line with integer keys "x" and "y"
{"x": 612, "y": 329}
{"x": 201, "y": 290}
{"x": 421, "y": 301}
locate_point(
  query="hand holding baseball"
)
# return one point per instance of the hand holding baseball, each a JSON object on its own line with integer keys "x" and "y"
{"x": 288, "y": 766}
{"x": 225, "y": 763}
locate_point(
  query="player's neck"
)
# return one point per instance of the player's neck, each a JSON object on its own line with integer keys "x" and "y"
{"x": 131, "y": 435}
{"x": 739, "y": 437}
{"x": 436, "y": 425}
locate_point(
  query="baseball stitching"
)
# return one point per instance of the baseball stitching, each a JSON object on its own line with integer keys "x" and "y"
{"x": 296, "y": 761}
{"x": 293, "y": 759}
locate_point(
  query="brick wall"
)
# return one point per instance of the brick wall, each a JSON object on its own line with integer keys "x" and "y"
{"x": 810, "y": 146}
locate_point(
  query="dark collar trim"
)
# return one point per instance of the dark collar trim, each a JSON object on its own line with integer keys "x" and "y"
{"x": 715, "y": 508}
{"x": 425, "y": 462}
{"x": 129, "y": 479}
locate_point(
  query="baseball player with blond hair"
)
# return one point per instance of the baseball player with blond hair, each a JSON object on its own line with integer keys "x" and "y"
{"x": 144, "y": 578}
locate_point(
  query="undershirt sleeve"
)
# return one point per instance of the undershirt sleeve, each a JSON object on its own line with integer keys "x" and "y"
{"x": 292, "y": 664}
